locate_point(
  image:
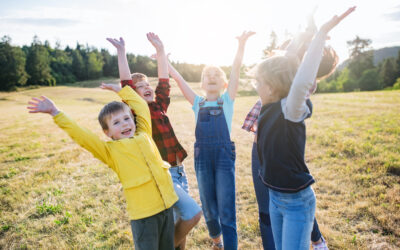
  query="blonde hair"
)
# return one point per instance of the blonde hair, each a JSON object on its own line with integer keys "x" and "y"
{"x": 278, "y": 72}
{"x": 209, "y": 68}
{"x": 138, "y": 77}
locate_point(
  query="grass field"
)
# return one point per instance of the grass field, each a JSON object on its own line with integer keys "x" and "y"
{"x": 55, "y": 195}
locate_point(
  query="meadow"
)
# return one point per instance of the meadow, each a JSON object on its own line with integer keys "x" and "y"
{"x": 55, "y": 195}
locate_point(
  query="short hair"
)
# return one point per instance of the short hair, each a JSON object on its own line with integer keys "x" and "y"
{"x": 209, "y": 68}
{"x": 112, "y": 108}
{"x": 138, "y": 77}
{"x": 278, "y": 72}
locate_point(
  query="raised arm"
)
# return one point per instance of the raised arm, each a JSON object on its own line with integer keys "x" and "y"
{"x": 123, "y": 66}
{"x": 237, "y": 63}
{"x": 299, "y": 44}
{"x": 84, "y": 137}
{"x": 307, "y": 72}
{"x": 186, "y": 90}
{"x": 136, "y": 103}
{"x": 162, "y": 64}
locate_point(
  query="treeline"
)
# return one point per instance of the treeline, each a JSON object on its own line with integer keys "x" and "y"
{"x": 360, "y": 73}
{"x": 40, "y": 64}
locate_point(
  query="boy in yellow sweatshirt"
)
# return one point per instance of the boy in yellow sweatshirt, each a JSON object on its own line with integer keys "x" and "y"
{"x": 134, "y": 157}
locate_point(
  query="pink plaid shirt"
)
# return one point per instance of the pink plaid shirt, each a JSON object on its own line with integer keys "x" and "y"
{"x": 250, "y": 123}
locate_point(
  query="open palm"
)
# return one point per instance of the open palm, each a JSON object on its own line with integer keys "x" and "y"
{"x": 42, "y": 105}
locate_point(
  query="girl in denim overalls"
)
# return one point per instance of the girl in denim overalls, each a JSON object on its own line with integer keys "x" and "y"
{"x": 214, "y": 151}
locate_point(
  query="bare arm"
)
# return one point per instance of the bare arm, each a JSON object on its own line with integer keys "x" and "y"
{"x": 162, "y": 64}
{"x": 187, "y": 91}
{"x": 123, "y": 66}
{"x": 299, "y": 44}
{"x": 237, "y": 63}
{"x": 295, "y": 105}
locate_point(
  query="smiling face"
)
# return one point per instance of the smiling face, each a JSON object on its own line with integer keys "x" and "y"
{"x": 213, "y": 79}
{"x": 144, "y": 89}
{"x": 120, "y": 125}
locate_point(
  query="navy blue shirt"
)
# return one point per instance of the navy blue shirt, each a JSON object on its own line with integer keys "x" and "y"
{"x": 281, "y": 145}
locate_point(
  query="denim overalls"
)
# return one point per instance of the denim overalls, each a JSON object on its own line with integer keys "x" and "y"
{"x": 215, "y": 171}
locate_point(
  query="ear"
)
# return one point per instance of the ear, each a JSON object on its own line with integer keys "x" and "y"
{"x": 225, "y": 85}
{"x": 107, "y": 132}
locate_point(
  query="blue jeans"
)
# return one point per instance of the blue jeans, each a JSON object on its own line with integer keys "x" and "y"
{"x": 214, "y": 163}
{"x": 262, "y": 196}
{"x": 215, "y": 172}
{"x": 292, "y": 218}
{"x": 186, "y": 207}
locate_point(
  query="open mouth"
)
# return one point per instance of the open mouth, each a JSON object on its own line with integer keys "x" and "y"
{"x": 147, "y": 93}
{"x": 126, "y": 132}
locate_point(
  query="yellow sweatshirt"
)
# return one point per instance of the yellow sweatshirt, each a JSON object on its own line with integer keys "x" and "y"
{"x": 145, "y": 178}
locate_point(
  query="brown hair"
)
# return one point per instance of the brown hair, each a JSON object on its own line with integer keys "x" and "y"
{"x": 328, "y": 63}
{"x": 138, "y": 77}
{"x": 110, "y": 109}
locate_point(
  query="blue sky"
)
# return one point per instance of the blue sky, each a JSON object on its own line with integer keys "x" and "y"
{"x": 193, "y": 31}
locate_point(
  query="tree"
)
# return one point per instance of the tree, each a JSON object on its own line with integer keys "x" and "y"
{"x": 273, "y": 38}
{"x": 38, "y": 64}
{"x": 94, "y": 65}
{"x": 110, "y": 67}
{"x": 388, "y": 72}
{"x": 358, "y": 46}
{"x": 12, "y": 65}
{"x": 78, "y": 65}
{"x": 370, "y": 80}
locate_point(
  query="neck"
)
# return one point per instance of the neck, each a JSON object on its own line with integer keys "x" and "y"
{"x": 269, "y": 99}
{"x": 212, "y": 96}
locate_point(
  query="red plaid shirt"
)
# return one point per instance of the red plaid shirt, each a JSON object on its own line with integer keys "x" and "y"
{"x": 250, "y": 123}
{"x": 163, "y": 134}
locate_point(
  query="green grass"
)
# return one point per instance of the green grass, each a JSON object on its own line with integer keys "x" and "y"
{"x": 53, "y": 194}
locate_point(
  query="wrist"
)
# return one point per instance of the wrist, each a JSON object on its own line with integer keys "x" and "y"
{"x": 54, "y": 112}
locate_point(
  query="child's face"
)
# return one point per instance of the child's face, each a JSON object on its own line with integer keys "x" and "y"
{"x": 120, "y": 125}
{"x": 144, "y": 89}
{"x": 213, "y": 81}
{"x": 264, "y": 91}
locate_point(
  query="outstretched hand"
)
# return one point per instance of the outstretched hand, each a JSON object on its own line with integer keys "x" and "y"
{"x": 155, "y": 41}
{"x": 119, "y": 44}
{"x": 244, "y": 36}
{"x": 42, "y": 105}
{"x": 328, "y": 26}
{"x": 111, "y": 86}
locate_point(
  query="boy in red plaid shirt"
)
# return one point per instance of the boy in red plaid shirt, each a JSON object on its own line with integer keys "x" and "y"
{"x": 187, "y": 212}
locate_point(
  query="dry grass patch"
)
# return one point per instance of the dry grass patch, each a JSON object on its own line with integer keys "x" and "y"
{"x": 53, "y": 194}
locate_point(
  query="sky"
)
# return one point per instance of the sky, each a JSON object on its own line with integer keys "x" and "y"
{"x": 200, "y": 32}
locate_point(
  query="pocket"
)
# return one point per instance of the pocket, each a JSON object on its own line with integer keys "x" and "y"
{"x": 231, "y": 150}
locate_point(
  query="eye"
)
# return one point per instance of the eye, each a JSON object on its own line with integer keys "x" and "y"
{"x": 116, "y": 122}
{"x": 127, "y": 118}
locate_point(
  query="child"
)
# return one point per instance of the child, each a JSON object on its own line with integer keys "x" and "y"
{"x": 328, "y": 63}
{"x": 187, "y": 212}
{"x": 214, "y": 151}
{"x": 281, "y": 140}
{"x": 133, "y": 155}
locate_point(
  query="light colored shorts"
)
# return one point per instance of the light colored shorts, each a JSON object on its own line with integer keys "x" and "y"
{"x": 186, "y": 207}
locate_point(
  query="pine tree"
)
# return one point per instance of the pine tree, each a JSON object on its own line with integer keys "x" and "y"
{"x": 38, "y": 64}
{"x": 12, "y": 65}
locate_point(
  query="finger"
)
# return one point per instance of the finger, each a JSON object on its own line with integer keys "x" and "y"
{"x": 33, "y": 103}
{"x": 30, "y": 107}
{"x": 33, "y": 111}
{"x": 36, "y": 99}
{"x": 345, "y": 14}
